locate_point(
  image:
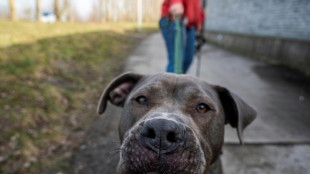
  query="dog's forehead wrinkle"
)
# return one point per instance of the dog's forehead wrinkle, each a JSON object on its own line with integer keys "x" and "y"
{"x": 188, "y": 85}
{"x": 156, "y": 83}
{"x": 172, "y": 85}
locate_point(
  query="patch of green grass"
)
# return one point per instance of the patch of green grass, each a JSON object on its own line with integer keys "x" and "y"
{"x": 51, "y": 76}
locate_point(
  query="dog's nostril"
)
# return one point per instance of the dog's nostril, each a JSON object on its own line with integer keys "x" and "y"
{"x": 171, "y": 137}
{"x": 151, "y": 133}
{"x": 148, "y": 132}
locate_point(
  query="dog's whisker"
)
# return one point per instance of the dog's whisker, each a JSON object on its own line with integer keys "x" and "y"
{"x": 117, "y": 149}
{"x": 116, "y": 142}
{"x": 112, "y": 154}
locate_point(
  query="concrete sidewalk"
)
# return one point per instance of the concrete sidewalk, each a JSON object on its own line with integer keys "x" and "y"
{"x": 278, "y": 141}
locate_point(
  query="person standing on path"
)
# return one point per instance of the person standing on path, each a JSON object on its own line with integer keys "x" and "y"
{"x": 191, "y": 17}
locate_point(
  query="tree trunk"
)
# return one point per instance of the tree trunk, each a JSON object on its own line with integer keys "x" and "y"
{"x": 70, "y": 12}
{"x": 107, "y": 10}
{"x": 38, "y": 10}
{"x": 13, "y": 15}
{"x": 101, "y": 11}
{"x": 67, "y": 11}
{"x": 56, "y": 10}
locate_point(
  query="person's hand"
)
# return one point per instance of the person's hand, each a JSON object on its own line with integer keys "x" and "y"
{"x": 176, "y": 9}
{"x": 199, "y": 28}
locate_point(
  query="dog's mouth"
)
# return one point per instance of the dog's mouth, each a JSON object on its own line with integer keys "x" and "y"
{"x": 136, "y": 159}
{"x": 143, "y": 161}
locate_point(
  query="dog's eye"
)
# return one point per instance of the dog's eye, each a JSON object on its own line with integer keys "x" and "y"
{"x": 202, "y": 108}
{"x": 141, "y": 100}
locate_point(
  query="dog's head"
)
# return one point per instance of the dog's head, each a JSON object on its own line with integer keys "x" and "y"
{"x": 172, "y": 123}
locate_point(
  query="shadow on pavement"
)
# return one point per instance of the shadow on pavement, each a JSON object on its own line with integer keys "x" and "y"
{"x": 283, "y": 76}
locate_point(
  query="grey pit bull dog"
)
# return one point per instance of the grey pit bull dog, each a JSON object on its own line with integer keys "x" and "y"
{"x": 173, "y": 124}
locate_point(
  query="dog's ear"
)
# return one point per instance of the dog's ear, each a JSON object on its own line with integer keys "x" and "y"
{"x": 118, "y": 90}
{"x": 237, "y": 112}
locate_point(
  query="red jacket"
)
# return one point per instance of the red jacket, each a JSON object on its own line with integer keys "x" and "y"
{"x": 192, "y": 11}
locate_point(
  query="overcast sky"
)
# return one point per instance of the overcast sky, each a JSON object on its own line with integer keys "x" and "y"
{"x": 24, "y": 7}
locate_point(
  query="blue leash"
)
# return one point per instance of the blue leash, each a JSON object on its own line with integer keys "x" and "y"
{"x": 178, "y": 63}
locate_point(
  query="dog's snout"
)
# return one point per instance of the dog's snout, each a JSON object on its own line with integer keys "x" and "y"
{"x": 161, "y": 135}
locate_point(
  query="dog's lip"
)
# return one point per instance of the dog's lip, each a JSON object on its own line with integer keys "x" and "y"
{"x": 154, "y": 172}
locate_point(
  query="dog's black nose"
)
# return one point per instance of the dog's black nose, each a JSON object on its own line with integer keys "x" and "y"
{"x": 161, "y": 135}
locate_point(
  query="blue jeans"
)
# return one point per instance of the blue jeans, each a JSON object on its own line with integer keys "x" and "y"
{"x": 189, "y": 36}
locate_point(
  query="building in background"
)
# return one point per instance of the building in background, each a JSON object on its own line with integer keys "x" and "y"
{"x": 276, "y": 31}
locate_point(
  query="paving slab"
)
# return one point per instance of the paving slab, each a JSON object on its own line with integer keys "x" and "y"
{"x": 266, "y": 159}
